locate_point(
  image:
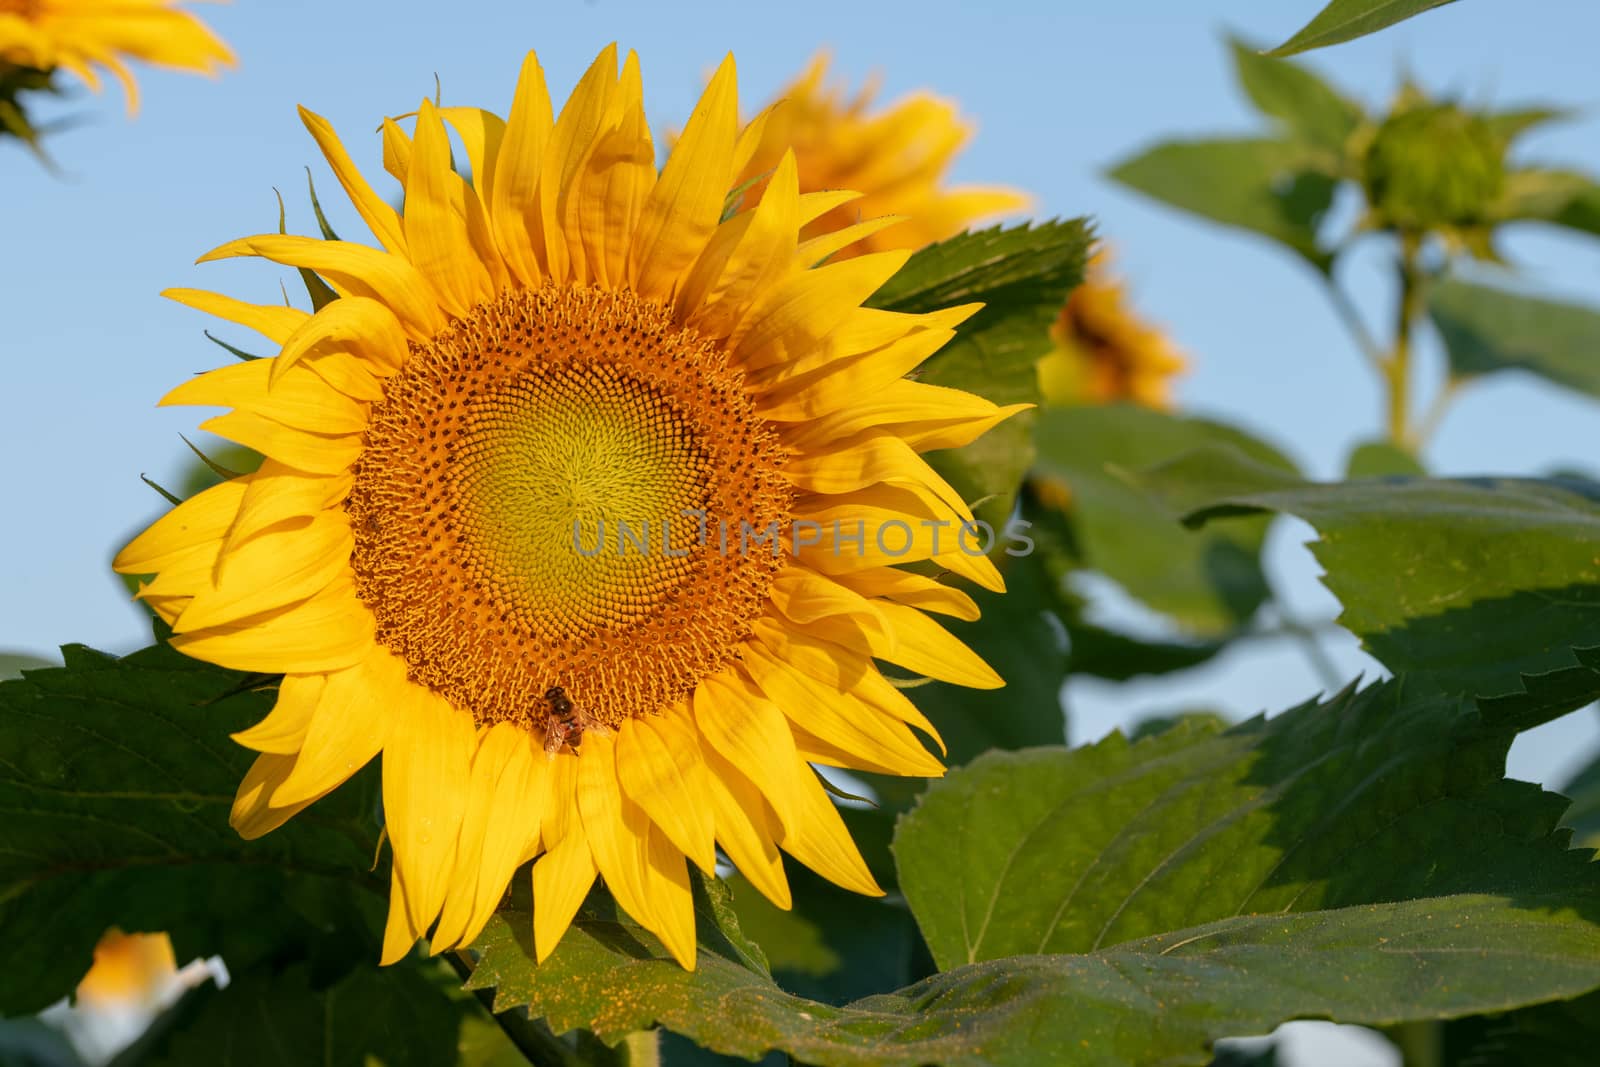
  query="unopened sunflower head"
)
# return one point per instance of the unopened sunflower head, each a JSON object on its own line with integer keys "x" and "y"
{"x": 583, "y": 505}
{"x": 82, "y": 35}
{"x": 895, "y": 157}
{"x": 1103, "y": 352}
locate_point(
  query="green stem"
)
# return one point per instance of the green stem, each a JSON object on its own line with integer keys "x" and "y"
{"x": 1428, "y": 425}
{"x": 1420, "y": 1043}
{"x": 642, "y": 1048}
{"x": 1350, "y": 315}
{"x": 1397, "y": 368}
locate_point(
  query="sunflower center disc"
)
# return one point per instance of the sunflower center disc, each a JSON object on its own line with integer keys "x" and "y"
{"x": 527, "y": 508}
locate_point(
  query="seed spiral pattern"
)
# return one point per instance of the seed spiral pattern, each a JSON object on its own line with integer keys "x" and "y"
{"x": 501, "y": 452}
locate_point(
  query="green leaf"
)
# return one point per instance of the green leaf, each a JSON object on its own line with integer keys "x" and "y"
{"x": 1094, "y": 649}
{"x": 1161, "y": 999}
{"x": 1022, "y": 275}
{"x": 1279, "y": 189}
{"x": 411, "y": 1013}
{"x": 1464, "y": 583}
{"x": 1106, "y": 653}
{"x": 1325, "y": 806}
{"x": 116, "y": 780}
{"x": 1510, "y": 124}
{"x": 1026, "y": 648}
{"x": 1308, "y": 106}
{"x": 1584, "y": 815}
{"x": 1488, "y": 329}
{"x": 1563, "y": 1034}
{"x": 1582, "y": 210}
{"x": 12, "y": 664}
{"x": 1560, "y": 197}
{"x": 1209, "y": 584}
{"x": 1345, "y": 20}
{"x": 833, "y": 945}
{"x": 1379, "y": 459}
{"x": 1007, "y": 269}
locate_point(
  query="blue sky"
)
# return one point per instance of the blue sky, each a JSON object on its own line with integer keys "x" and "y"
{"x": 1059, "y": 90}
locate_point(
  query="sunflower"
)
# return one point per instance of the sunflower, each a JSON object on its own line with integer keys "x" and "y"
{"x": 895, "y": 158}
{"x": 1103, "y": 353}
{"x": 583, "y": 505}
{"x": 83, "y": 34}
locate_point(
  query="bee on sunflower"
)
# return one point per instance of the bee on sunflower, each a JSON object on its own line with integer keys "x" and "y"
{"x": 572, "y": 341}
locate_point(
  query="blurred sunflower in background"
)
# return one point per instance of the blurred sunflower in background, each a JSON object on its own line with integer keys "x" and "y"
{"x": 1103, "y": 352}
{"x": 571, "y": 341}
{"x": 895, "y": 157}
{"x": 82, "y": 35}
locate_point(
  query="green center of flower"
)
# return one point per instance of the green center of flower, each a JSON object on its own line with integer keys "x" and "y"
{"x": 571, "y": 480}
{"x": 528, "y": 508}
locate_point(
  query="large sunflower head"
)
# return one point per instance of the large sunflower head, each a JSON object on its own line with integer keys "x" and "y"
{"x": 82, "y": 35}
{"x": 583, "y": 505}
{"x": 895, "y": 157}
{"x": 1103, "y": 352}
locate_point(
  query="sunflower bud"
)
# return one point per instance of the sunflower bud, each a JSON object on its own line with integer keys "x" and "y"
{"x": 1433, "y": 166}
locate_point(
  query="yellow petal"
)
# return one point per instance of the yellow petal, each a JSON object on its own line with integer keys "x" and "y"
{"x": 482, "y": 133}
{"x": 744, "y": 258}
{"x": 379, "y": 216}
{"x": 931, "y": 409}
{"x": 885, "y": 525}
{"x": 331, "y": 631}
{"x": 868, "y": 739}
{"x": 357, "y": 326}
{"x": 749, "y": 731}
{"x": 400, "y": 933}
{"x": 840, "y": 669}
{"x": 512, "y": 834}
{"x": 314, "y": 453}
{"x": 818, "y": 249}
{"x": 495, "y": 827}
{"x": 805, "y": 597}
{"x": 436, "y": 220}
{"x": 561, "y": 879}
{"x": 299, "y": 399}
{"x": 202, "y": 518}
{"x": 915, "y": 590}
{"x": 427, "y": 763}
{"x": 273, "y": 321}
{"x": 820, "y": 840}
{"x": 686, "y": 201}
{"x": 572, "y": 140}
{"x": 659, "y": 765}
{"x": 283, "y": 731}
{"x": 810, "y": 305}
{"x": 743, "y": 816}
{"x": 871, "y": 458}
{"x": 603, "y": 203}
{"x": 252, "y": 816}
{"x": 672, "y": 901}
{"x": 630, "y": 178}
{"x": 920, "y": 645}
{"x": 617, "y": 828}
{"x": 843, "y": 370}
{"x": 352, "y": 270}
{"x": 348, "y": 726}
{"x": 276, "y": 493}
{"x": 272, "y": 571}
{"x": 513, "y": 198}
